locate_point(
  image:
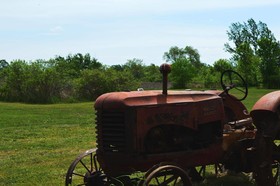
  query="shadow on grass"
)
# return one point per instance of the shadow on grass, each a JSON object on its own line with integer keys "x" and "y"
{"x": 227, "y": 180}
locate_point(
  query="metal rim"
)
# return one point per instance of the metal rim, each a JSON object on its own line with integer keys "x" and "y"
{"x": 168, "y": 175}
{"x": 90, "y": 169}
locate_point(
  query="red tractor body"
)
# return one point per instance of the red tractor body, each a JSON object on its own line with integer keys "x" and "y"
{"x": 168, "y": 134}
{"x": 136, "y": 130}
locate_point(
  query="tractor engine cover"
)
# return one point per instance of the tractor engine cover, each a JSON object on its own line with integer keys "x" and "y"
{"x": 133, "y": 125}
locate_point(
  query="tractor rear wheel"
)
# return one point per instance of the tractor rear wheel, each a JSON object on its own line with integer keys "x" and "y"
{"x": 267, "y": 148}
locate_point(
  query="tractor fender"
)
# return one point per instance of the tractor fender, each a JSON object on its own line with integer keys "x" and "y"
{"x": 268, "y": 102}
{"x": 265, "y": 114}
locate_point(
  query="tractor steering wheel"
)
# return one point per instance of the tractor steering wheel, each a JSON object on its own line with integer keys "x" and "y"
{"x": 231, "y": 80}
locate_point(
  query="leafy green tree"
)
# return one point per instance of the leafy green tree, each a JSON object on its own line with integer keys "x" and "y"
{"x": 72, "y": 65}
{"x": 193, "y": 56}
{"x": 12, "y": 88}
{"x": 30, "y": 82}
{"x": 117, "y": 67}
{"x": 93, "y": 83}
{"x": 210, "y": 77}
{"x": 269, "y": 51}
{"x": 81, "y": 62}
{"x": 136, "y": 67}
{"x": 70, "y": 68}
{"x": 245, "y": 63}
{"x": 174, "y": 54}
{"x": 47, "y": 81}
{"x": 122, "y": 81}
{"x": 193, "y": 67}
{"x": 221, "y": 65}
{"x": 152, "y": 74}
{"x": 42, "y": 85}
{"x": 3, "y": 76}
{"x": 3, "y": 64}
{"x": 188, "y": 52}
{"x": 253, "y": 43}
{"x": 182, "y": 73}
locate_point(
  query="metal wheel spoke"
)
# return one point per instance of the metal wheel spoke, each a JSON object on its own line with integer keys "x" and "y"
{"x": 78, "y": 174}
{"x": 91, "y": 162}
{"x": 175, "y": 182}
{"x": 169, "y": 180}
{"x": 202, "y": 171}
{"x": 164, "y": 178}
{"x": 95, "y": 163}
{"x": 218, "y": 168}
{"x": 157, "y": 180}
{"x": 85, "y": 166}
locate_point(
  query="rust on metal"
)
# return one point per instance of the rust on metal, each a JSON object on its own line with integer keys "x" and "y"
{"x": 268, "y": 102}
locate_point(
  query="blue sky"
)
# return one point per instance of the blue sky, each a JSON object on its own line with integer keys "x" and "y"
{"x": 114, "y": 31}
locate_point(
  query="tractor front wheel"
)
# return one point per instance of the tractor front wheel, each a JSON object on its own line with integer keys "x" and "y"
{"x": 84, "y": 170}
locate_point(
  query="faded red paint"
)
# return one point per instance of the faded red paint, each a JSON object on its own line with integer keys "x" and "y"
{"x": 269, "y": 102}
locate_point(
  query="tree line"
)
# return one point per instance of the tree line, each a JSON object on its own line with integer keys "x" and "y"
{"x": 69, "y": 79}
{"x": 81, "y": 77}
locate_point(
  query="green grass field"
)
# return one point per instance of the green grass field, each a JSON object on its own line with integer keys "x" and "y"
{"x": 39, "y": 142}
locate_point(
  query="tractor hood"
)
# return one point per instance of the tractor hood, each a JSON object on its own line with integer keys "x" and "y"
{"x": 117, "y": 100}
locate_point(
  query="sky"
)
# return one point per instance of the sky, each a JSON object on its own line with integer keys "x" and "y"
{"x": 114, "y": 31}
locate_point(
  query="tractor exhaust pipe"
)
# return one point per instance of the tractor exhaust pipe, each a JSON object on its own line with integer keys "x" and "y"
{"x": 165, "y": 69}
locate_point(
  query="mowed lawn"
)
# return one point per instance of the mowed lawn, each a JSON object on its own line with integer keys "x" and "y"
{"x": 39, "y": 142}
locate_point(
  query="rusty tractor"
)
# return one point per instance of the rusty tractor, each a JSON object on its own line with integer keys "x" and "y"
{"x": 164, "y": 137}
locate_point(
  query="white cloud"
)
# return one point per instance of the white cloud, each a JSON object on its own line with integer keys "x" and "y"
{"x": 57, "y": 30}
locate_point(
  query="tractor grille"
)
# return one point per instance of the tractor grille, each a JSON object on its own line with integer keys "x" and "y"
{"x": 111, "y": 135}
